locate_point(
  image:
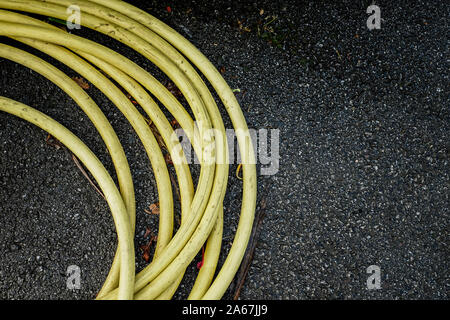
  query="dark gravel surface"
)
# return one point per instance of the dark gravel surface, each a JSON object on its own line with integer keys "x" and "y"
{"x": 363, "y": 178}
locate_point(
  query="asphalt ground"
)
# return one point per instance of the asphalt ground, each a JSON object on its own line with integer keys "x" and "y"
{"x": 363, "y": 178}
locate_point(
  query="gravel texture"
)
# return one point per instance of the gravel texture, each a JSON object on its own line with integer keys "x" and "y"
{"x": 363, "y": 177}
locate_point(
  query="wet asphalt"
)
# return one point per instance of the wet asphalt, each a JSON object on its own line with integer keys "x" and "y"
{"x": 363, "y": 177}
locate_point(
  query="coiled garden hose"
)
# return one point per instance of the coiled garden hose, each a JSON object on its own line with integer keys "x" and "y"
{"x": 202, "y": 207}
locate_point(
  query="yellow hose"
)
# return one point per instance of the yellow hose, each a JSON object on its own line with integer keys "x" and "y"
{"x": 102, "y": 177}
{"x": 201, "y": 210}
